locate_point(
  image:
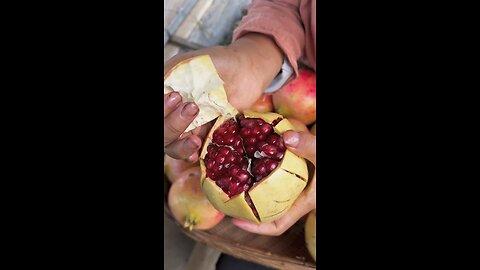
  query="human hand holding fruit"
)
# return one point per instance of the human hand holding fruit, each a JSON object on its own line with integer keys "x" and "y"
{"x": 246, "y": 67}
{"x": 302, "y": 144}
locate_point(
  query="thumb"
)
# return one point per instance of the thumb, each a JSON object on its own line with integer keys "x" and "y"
{"x": 302, "y": 143}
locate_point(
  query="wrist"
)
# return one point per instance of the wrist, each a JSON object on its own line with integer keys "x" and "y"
{"x": 259, "y": 54}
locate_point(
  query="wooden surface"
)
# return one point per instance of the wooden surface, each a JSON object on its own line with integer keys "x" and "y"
{"x": 287, "y": 251}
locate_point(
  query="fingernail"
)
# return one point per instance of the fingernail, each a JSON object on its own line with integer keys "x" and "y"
{"x": 292, "y": 138}
{"x": 173, "y": 99}
{"x": 191, "y": 158}
{"x": 192, "y": 144}
{"x": 189, "y": 110}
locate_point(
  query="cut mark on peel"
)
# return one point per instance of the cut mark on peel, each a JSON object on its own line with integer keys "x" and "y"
{"x": 281, "y": 201}
{"x": 252, "y": 206}
{"x": 278, "y": 213}
{"x": 298, "y": 176}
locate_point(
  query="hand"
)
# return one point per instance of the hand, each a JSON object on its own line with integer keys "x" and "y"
{"x": 247, "y": 67}
{"x": 303, "y": 144}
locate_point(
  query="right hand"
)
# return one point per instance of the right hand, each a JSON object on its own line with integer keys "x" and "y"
{"x": 247, "y": 67}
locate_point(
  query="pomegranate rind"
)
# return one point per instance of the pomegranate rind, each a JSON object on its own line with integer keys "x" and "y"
{"x": 235, "y": 207}
{"x": 197, "y": 80}
{"x": 313, "y": 130}
{"x": 311, "y": 234}
{"x": 267, "y": 117}
{"x": 273, "y": 195}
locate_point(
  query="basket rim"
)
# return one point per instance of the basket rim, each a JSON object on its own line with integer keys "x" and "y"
{"x": 217, "y": 242}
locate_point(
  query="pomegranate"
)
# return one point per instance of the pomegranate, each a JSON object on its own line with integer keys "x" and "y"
{"x": 263, "y": 104}
{"x": 311, "y": 234}
{"x": 299, "y": 125}
{"x": 313, "y": 130}
{"x": 297, "y": 99}
{"x": 174, "y": 167}
{"x": 189, "y": 205}
{"x": 247, "y": 171}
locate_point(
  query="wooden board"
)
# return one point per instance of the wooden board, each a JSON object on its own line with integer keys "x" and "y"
{"x": 287, "y": 251}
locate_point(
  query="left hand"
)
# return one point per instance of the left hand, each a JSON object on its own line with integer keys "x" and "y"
{"x": 304, "y": 145}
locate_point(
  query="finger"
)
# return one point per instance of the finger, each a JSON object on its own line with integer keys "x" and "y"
{"x": 302, "y": 143}
{"x": 177, "y": 121}
{"x": 300, "y": 208}
{"x": 264, "y": 228}
{"x": 170, "y": 102}
{"x": 185, "y": 148}
{"x": 193, "y": 158}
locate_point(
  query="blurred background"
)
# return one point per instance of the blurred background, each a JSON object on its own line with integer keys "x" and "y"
{"x": 193, "y": 24}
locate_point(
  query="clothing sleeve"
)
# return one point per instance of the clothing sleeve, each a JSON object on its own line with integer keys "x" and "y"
{"x": 279, "y": 19}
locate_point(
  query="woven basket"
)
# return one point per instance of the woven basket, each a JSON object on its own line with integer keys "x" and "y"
{"x": 287, "y": 251}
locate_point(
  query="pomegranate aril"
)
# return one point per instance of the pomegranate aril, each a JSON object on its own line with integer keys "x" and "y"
{"x": 222, "y": 131}
{"x": 219, "y": 159}
{"x": 224, "y": 151}
{"x": 242, "y": 176}
{"x": 234, "y": 169}
{"x": 271, "y": 165}
{"x": 266, "y": 129}
{"x": 251, "y": 141}
{"x": 209, "y": 163}
{"x": 270, "y": 150}
{"x": 273, "y": 139}
{"x": 246, "y": 132}
{"x": 230, "y": 158}
{"x": 210, "y": 148}
{"x": 256, "y": 131}
{"x": 232, "y": 129}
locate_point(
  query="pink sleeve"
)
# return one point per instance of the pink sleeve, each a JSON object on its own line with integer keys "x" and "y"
{"x": 279, "y": 19}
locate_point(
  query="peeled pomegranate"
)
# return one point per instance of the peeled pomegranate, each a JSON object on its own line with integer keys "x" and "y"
{"x": 297, "y": 99}
{"x": 311, "y": 234}
{"x": 263, "y": 104}
{"x": 189, "y": 205}
{"x": 247, "y": 172}
{"x": 174, "y": 167}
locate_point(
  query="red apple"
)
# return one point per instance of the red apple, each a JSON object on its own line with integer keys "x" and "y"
{"x": 264, "y": 104}
{"x": 297, "y": 99}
